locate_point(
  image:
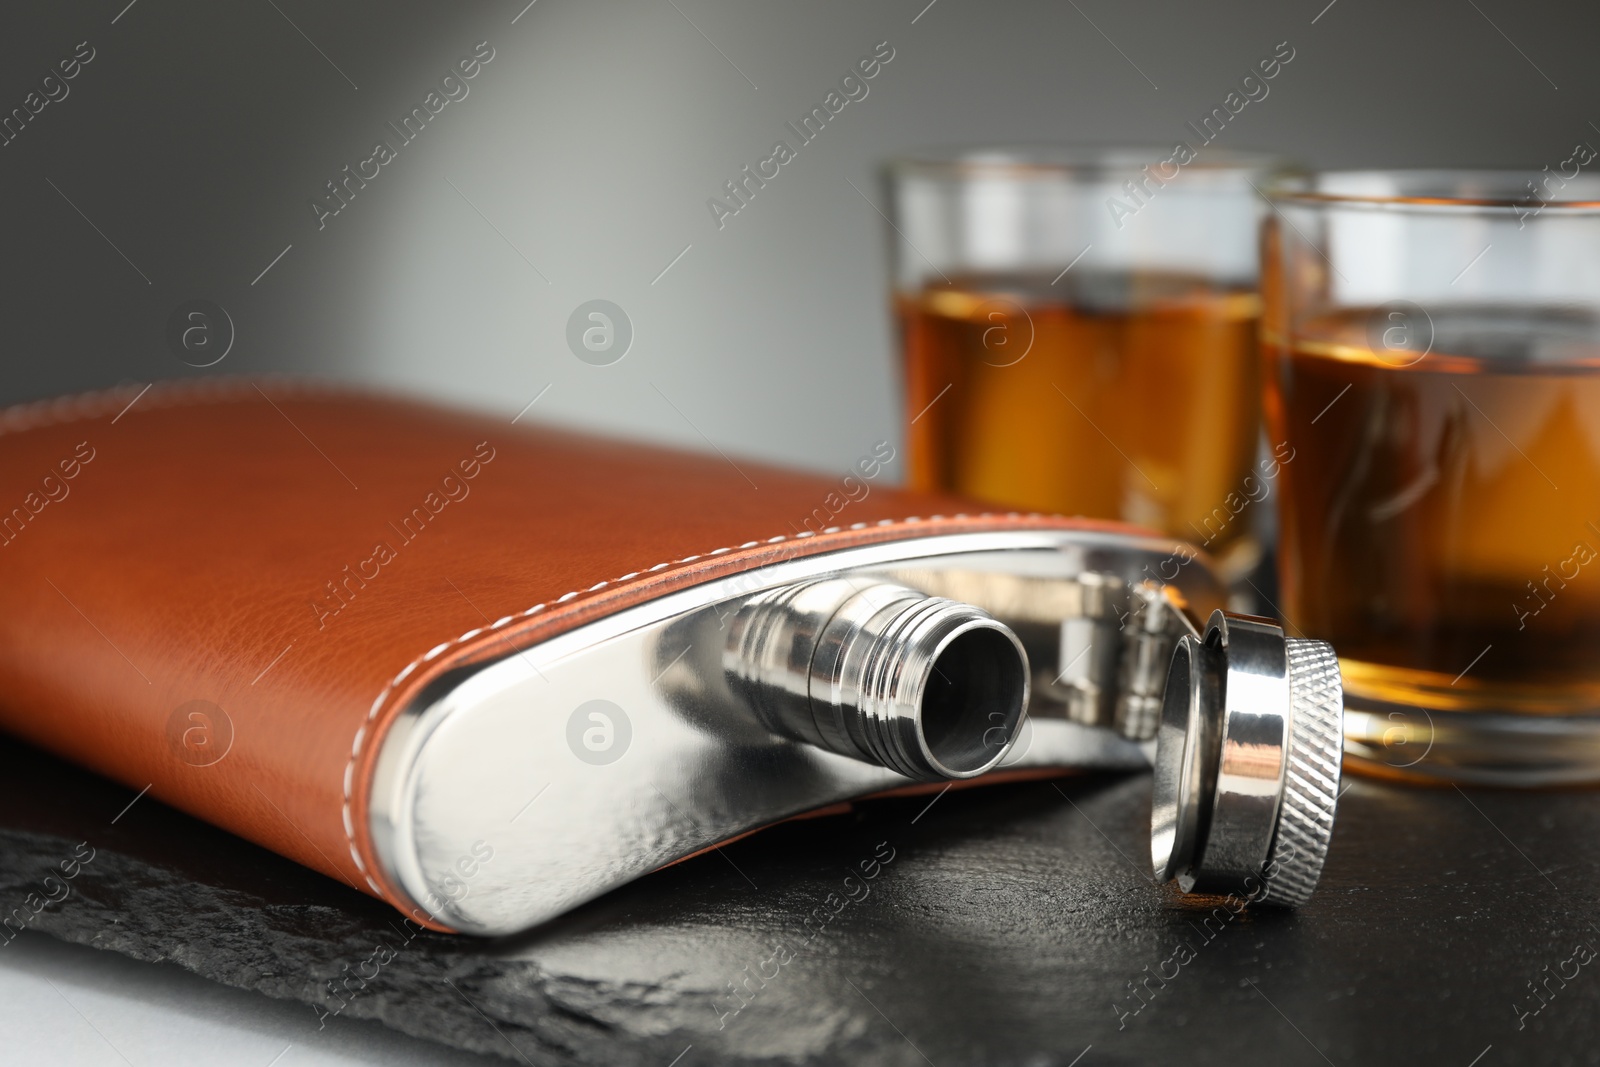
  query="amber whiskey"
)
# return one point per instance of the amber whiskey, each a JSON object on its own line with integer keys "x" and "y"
{"x": 1440, "y": 517}
{"x": 1124, "y": 396}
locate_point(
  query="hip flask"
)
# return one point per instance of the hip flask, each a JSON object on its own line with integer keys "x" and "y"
{"x": 487, "y": 672}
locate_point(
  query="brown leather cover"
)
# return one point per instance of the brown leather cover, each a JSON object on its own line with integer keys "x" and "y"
{"x": 306, "y": 558}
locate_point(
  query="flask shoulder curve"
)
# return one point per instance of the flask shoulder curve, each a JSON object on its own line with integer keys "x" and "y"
{"x": 656, "y": 732}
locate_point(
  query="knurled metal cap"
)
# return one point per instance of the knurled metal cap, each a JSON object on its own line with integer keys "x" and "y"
{"x": 1311, "y": 779}
{"x": 1247, "y": 762}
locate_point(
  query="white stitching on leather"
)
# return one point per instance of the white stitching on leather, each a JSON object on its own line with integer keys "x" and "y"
{"x": 82, "y": 407}
{"x": 394, "y": 683}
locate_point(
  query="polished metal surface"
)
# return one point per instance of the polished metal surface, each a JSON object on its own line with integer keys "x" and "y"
{"x": 609, "y": 751}
{"x": 1098, "y": 643}
{"x": 1091, "y": 650}
{"x": 932, "y": 688}
{"x": 1185, "y": 776}
{"x": 1254, "y": 752}
{"x": 1155, "y": 622}
{"x": 1247, "y": 762}
{"x": 644, "y": 737}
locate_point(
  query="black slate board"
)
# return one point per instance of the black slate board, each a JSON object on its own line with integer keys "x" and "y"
{"x": 1005, "y": 930}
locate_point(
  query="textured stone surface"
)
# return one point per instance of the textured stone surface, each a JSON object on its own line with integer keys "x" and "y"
{"x": 1004, "y": 930}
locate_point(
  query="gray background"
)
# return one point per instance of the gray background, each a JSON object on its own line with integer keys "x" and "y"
{"x": 200, "y": 132}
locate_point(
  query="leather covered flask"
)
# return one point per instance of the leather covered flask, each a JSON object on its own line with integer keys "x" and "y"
{"x": 487, "y": 671}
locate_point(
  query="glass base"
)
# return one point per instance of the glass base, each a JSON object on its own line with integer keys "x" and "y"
{"x": 1423, "y": 745}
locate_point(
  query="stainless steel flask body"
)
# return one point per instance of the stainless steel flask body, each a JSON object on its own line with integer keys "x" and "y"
{"x": 666, "y": 728}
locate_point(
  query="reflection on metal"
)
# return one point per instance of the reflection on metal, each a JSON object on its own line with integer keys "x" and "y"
{"x": 1099, "y": 644}
{"x": 1247, "y": 762}
{"x": 756, "y": 697}
{"x": 1156, "y": 621}
{"x": 929, "y": 687}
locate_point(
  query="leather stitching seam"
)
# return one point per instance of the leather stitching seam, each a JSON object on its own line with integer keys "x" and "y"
{"x": 81, "y": 407}
{"x": 439, "y": 649}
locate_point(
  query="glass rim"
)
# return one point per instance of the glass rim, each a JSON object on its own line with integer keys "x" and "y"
{"x": 1433, "y": 193}
{"x": 1072, "y": 159}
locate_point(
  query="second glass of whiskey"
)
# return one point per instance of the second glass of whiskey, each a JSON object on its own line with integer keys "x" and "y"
{"x": 1079, "y": 333}
{"x": 1433, "y": 359}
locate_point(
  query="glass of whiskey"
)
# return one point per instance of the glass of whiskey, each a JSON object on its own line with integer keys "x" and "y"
{"x": 1431, "y": 350}
{"x": 1078, "y": 330}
